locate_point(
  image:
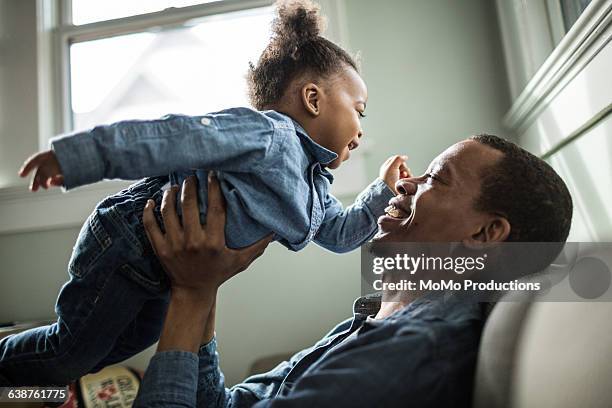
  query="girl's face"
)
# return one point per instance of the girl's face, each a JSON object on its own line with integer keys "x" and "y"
{"x": 342, "y": 103}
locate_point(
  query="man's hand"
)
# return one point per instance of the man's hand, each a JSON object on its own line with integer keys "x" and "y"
{"x": 393, "y": 169}
{"x": 47, "y": 170}
{"x": 195, "y": 256}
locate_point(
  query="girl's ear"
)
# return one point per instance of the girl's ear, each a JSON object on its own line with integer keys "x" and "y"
{"x": 496, "y": 229}
{"x": 311, "y": 95}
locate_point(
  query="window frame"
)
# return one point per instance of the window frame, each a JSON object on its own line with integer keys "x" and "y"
{"x": 65, "y": 34}
{"x": 532, "y": 87}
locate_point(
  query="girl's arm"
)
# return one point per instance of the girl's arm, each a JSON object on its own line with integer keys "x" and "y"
{"x": 345, "y": 229}
{"x": 238, "y": 139}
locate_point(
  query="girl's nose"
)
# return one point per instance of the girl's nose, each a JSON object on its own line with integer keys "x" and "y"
{"x": 406, "y": 187}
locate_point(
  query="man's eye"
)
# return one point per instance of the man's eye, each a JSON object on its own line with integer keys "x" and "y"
{"x": 431, "y": 176}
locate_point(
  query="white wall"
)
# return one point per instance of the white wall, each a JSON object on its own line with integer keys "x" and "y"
{"x": 435, "y": 75}
{"x": 18, "y": 87}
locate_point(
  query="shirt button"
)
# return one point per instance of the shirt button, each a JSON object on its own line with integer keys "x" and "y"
{"x": 205, "y": 121}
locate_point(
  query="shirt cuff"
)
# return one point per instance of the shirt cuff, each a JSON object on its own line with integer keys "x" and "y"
{"x": 208, "y": 348}
{"x": 376, "y": 197}
{"x": 207, "y": 356}
{"x": 78, "y": 158}
{"x": 170, "y": 380}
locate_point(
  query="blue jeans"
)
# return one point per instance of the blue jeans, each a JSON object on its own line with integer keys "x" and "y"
{"x": 112, "y": 307}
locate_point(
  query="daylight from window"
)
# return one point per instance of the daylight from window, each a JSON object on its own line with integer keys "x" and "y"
{"x": 190, "y": 70}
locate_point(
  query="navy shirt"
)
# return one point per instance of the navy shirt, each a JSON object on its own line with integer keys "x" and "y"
{"x": 272, "y": 174}
{"x": 423, "y": 355}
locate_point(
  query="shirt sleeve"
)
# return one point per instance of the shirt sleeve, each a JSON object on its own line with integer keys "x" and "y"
{"x": 211, "y": 385}
{"x": 397, "y": 372}
{"x": 238, "y": 139}
{"x": 345, "y": 229}
{"x": 212, "y": 392}
{"x": 170, "y": 381}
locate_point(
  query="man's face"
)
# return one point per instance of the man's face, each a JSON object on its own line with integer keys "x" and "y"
{"x": 439, "y": 205}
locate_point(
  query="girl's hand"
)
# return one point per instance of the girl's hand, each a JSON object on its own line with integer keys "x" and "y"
{"x": 47, "y": 170}
{"x": 393, "y": 169}
{"x": 195, "y": 256}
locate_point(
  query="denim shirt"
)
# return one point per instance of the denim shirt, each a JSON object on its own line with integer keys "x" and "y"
{"x": 272, "y": 174}
{"x": 424, "y": 355}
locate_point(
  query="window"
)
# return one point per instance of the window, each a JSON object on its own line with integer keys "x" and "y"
{"x": 572, "y": 9}
{"x": 145, "y": 58}
{"x": 531, "y": 30}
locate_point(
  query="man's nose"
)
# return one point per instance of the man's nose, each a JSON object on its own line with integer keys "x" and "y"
{"x": 406, "y": 187}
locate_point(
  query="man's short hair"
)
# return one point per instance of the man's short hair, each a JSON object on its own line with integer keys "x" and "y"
{"x": 527, "y": 191}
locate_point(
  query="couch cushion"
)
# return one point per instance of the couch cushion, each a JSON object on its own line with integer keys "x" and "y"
{"x": 496, "y": 355}
{"x": 564, "y": 356}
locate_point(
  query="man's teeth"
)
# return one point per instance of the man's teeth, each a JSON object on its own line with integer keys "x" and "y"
{"x": 393, "y": 211}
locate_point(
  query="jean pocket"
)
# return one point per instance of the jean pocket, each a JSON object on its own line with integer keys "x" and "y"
{"x": 147, "y": 276}
{"x": 92, "y": 242}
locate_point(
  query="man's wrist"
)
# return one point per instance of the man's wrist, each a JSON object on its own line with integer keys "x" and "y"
{"x": 195, "y": 296}
{"x": 186, "y": 319}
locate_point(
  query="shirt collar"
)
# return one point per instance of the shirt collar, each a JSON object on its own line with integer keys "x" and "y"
{"x": 369, "y": 304}
{"x": 320, "y": 153}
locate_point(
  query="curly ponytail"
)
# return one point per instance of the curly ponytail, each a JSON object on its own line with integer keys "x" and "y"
{"x": 296, "y": 47}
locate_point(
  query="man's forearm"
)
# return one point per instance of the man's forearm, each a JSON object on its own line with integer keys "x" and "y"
{"x": 209, "y": 330}
{"x": 171, "y": 380}
{"x": 188, "y": 322}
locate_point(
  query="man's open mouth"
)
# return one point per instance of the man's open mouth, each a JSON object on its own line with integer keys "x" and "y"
{"x": 396, "y": 212}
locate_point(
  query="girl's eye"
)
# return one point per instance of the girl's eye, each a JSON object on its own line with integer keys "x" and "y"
{"x": 361, "y": 115}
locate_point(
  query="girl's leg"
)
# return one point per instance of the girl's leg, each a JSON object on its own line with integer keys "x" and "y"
{"x": 94, "y": 309}
{"x": 74, "y": 346}
{"x": 140, "y": 334}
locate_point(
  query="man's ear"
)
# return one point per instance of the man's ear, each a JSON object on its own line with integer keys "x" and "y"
{"x": 496, "y": 229}
{"x": 311, "y": 98}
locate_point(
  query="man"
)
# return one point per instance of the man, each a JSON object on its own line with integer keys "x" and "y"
{"x": 401, "y": 351}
